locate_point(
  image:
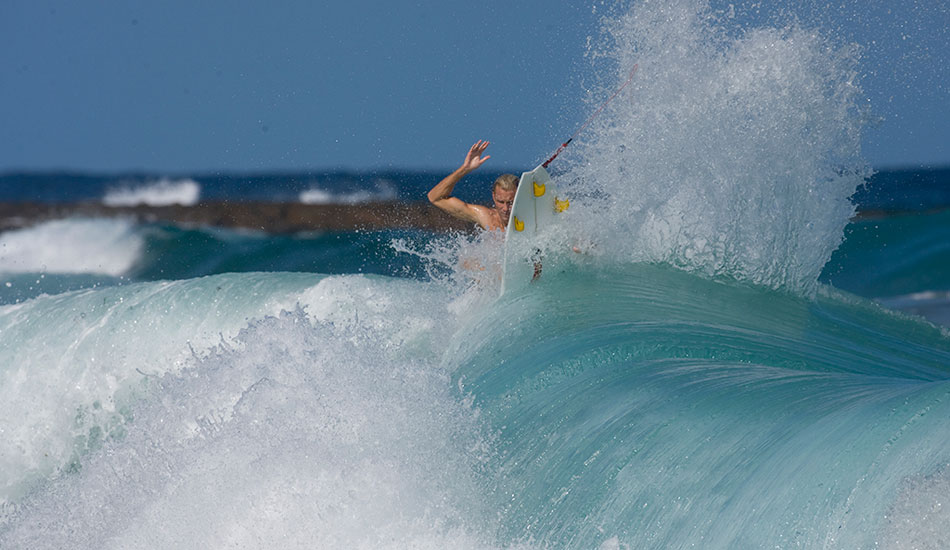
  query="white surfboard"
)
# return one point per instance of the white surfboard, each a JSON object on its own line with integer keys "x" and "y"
{"x": 532, "y": 212}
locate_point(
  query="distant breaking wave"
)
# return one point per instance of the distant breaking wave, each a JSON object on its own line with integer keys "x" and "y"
{"x": 164, "y": 192}
{"x": 385, "y": 191}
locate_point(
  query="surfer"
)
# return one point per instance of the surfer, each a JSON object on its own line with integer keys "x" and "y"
{"x": 503, "y": 193}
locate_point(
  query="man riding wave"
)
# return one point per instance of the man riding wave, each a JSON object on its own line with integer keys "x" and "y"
{"x": 503, "y": 193}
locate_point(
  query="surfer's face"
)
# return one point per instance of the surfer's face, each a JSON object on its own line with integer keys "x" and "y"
{"x": 503, "y": 201}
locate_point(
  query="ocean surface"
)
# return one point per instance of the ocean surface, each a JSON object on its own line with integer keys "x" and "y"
{"x": 751, "y": 350}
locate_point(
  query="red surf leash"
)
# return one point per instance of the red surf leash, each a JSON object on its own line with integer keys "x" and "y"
{"x": 597, "y": 112}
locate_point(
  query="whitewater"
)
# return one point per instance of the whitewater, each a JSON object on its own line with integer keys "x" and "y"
{"x": 691, "y": 379}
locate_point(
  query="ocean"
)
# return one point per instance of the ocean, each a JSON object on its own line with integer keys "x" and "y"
{"x": 750, "y": 350}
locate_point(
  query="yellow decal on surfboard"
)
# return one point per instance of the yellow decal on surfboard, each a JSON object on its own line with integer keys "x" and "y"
{"x": 538, "y": 189}
{"x": 561, "y": 206}
{"x": 519, "y": 225}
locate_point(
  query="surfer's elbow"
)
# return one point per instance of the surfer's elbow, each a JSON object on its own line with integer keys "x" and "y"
{"x": 447, "y": 204}
{"x": 440, "y": 203}
{"x": 435, "y": 197}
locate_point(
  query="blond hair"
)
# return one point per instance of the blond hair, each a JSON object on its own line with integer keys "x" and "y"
{"x": 506, "y": 182}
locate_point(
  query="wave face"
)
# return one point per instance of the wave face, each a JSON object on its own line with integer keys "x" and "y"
{"x": 670, "y": 411}
{"x": 633, "y": 406}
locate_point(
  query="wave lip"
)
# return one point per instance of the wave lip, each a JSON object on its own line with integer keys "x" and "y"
{"x": 164, "y": 192}
{"x": 93, "y": 246}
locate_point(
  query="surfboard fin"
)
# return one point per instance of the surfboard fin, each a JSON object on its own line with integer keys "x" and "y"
{"x": 519, "y": 225}
{"x": 561, "y": 205}
{"x": 539, "y": 189}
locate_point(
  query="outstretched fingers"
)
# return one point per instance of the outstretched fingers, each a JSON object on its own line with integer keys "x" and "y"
{"x": 479, "y": 147}
{"x": 474, "y": 158}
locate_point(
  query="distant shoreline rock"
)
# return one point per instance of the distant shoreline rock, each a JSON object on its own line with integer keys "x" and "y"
{"x": 271, "y": 217}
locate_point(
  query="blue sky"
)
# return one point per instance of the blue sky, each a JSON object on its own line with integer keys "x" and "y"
{"x": 252, "y": 86}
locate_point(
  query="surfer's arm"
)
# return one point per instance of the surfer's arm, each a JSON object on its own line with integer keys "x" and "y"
{"x": 441, "y": 194}
{"x": 441, "y": 197}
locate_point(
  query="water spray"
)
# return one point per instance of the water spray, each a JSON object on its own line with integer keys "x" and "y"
{"x": 592, "y": 117}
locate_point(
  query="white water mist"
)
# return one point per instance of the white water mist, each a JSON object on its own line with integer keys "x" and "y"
{"x": 729, "y": 155}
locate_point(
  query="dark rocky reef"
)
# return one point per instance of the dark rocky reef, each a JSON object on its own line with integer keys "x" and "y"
{"x": 265, "y": 216}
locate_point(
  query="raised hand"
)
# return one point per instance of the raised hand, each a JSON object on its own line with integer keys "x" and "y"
{"x": 474, "y": 158}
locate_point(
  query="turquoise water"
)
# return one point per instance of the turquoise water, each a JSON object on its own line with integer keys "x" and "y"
{"x": 671, "y": 411}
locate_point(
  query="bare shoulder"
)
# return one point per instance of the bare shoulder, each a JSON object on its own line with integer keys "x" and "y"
{"x": 486, "y": 217}
{"x": 458, "y": 209}
{"x": 490, "y": 219}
